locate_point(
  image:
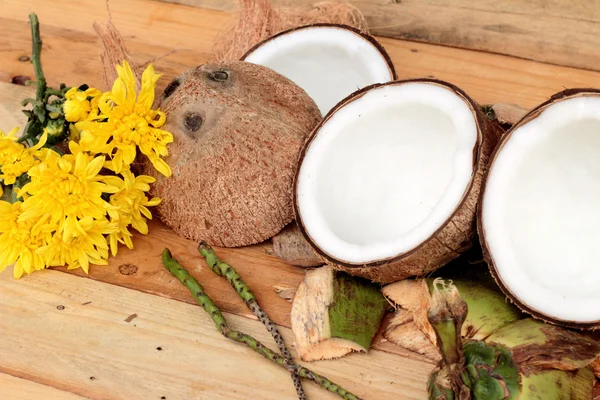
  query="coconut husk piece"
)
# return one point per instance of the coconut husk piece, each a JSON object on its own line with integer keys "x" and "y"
{"x": 114, "y": 52}
{"x": 291, "y": 247}
{"x": 334, "y": 314}
{"x": 509, "y": 114}
{"x": 596, "y": 367}
{"x": 257, "y": 20}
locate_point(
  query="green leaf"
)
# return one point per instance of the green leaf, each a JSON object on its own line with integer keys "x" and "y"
{"x": 54, "y": 108}
{"x": 27, "y": 101}
{"x": 492, "y": 371}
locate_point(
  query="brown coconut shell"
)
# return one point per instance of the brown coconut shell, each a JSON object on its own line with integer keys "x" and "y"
{"x": 356, "y": 31}
{"x": 455, "y": 235}
{"x": 238, "y": 129}
{"x": 534, "y": 113}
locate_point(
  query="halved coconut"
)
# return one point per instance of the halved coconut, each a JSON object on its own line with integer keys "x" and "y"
{"x": 388, "y": 182}
{"x": 540, "y": 211}
{"x": 328, "y": 61}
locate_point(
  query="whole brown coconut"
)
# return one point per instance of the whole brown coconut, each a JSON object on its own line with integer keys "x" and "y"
{"x": 238, "y": 129}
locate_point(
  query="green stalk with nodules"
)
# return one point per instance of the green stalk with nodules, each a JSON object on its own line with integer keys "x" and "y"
{"x": 235, "y": 280}
{"x": 220, "y": 322}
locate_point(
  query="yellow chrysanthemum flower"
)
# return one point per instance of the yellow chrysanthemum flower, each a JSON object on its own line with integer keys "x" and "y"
{"x": 20, "y": 239}
{"x": 132, "y": 204}
{"x": 68, "y": 188}
{"x": 126, "y": 122}
{"x": 10, "y": 150}
{"x": 6, "y": 142}
{"x": 16, "y": 159}
{"x": 77, "y": 106}
{"x": 87, "y": 246}
{"x": 71, "y": 214}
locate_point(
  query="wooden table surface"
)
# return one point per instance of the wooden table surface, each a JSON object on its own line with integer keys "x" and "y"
{"x": 129, "y": 330}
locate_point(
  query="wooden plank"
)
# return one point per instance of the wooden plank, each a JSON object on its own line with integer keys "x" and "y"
{"x": 13, "y": 388}
{"x": 557, "y": 32}
{"x": 141, "y": 269}
{"x": 106, "y": 342}
{"x": 152, "y": 29}
{"x": 10, "y": 105}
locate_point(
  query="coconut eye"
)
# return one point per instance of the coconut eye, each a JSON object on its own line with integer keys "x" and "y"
{"x": 218, "y": 76}
{"x": 171, "y": 88}
{"x": 193, "y": 122}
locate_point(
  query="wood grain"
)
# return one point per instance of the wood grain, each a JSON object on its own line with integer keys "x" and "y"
{"x": 13, "y": 388}
{"x": 141, "y": 269}
{"x": 556, "y": 31}
{"x": 152, "y": 29}
{"x": 71, "y": 333}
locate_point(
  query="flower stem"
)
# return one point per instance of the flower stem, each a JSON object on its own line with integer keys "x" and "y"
{"x": 236, "y": 281}
{"x": 37, "y": 116}
{"x": 220, "y": 322}
{"x": 36, "y": 52}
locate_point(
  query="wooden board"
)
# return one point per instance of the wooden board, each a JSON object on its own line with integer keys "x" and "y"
{"x": 122, "y": 359}
{"x": 557, "y": 32}
{"x": 102, "y": 341}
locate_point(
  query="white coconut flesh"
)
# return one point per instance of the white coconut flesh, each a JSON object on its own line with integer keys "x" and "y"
{"x": 386, "y": 171}
{"x": 541, "y": 211}
{"x": 328, "y": 62}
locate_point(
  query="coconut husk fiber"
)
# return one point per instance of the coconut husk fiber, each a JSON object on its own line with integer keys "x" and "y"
{"x": 258, "y": 20}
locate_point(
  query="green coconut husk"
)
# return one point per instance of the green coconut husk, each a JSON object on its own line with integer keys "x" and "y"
{"x": 410, "y": 328}
{"x": 334, "y": 314}
{"x": 523, "y": 360}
